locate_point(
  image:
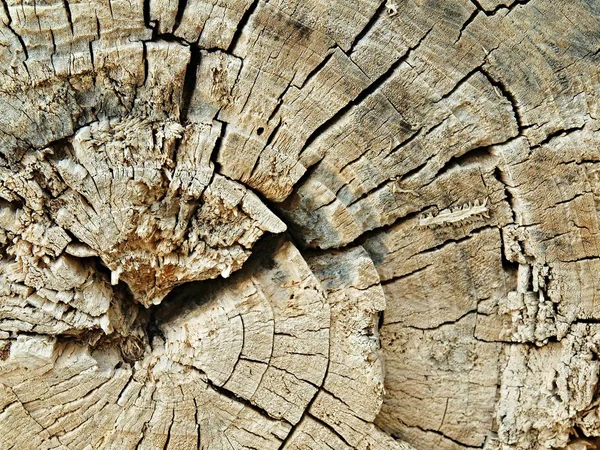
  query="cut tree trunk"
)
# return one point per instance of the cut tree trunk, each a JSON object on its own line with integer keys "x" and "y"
{"x": 299, "y": 224}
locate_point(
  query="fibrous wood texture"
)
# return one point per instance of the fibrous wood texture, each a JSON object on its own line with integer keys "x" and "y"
{"x": 299, "y": 224}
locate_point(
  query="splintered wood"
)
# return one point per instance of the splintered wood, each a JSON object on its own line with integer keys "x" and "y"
{"x": 318, "y": 224}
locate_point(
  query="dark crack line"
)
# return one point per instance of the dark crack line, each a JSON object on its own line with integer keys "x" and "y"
{"x": 241, "y": 26}
{"x": 509, "y": 96}
{"x": 499, "y": 175}
{"x": 438, "y": 326}
{"x": 379, "y": 12}
{"x": 405, "y": 275}
{"x": 181, "y": 6}
{"x": 368, "y": 91}
{"x": 393, "y": 149}
{"x": 472, "y": 157}
{"x": 439, "y": 433}
{"x": 464, "y": 80}
{"x": 166, "y": 446}
{"x": 557, "y": 133}
{"x": 306, "y": 411}
{"x": 146, "y": 10}
{"x": 500, "y": 7}
{"x": 69, "y": 17}
{"x": 267, "y": 144}
{"x": 18, "y": 36}
{"x": 316, "y": 70}
{"x": 330, "y": 428}
{"x": 232, "y": 396}
{"x": 189, "y": 83}
{"x": 468, "y": 22}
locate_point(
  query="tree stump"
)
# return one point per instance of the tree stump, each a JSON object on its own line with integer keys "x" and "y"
{"x": 285, "y": 224}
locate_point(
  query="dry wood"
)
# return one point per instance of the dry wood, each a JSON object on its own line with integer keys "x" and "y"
{"x": 299, "y": 224}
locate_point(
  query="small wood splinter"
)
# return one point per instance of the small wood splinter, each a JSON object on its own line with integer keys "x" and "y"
{"x": 392, "y": 8}
{"x": 456, "y": 214}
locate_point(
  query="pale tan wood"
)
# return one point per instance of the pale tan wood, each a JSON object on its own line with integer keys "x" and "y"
{"x": 299, "y": 224}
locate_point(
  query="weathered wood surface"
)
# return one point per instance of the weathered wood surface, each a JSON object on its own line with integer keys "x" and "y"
{"x": 431, "y": 169}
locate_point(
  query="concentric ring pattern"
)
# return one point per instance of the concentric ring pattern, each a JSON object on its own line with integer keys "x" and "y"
{"x": 311, "y": 224}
